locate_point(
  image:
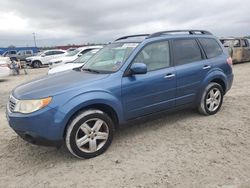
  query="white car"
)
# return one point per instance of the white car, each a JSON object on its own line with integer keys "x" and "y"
{"x": 79, "y": 62}
{"x": 44, "y": 58}
{"x": 72, "y": 55}
{"x": 4, "y": 66}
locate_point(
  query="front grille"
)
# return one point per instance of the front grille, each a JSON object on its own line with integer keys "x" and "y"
{"x": 12, "y": 103}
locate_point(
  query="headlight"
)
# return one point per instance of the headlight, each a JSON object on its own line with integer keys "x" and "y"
{"x": 28, "y": 106}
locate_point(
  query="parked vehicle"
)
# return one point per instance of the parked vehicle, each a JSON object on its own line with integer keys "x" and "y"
{"x": 4, "y": 66}
{"x": 238, "y": 48}
{"x": 79, "y": 62}
{"x": 44, "y": 58}
{"x": 128, "y": 79}
{"x": 72, "y": 55}
{"x": 12, "y": 54}
{"x": 23, "y": 54}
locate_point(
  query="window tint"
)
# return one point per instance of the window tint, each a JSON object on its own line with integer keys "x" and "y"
{"x": 186, "y": 51}
{"x": 48, "y": 53}
{"x": 28, "y": 52}
{"x": 12, "y": 52}
{"x": 243, "y": 43}
{"x": 155, "y": 56}
{"x": 85, "y": 51}
{"x": 58, "y": 52}
{"x": 211, "y": 47}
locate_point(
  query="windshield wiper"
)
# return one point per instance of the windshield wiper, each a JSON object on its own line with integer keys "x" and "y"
{"x": 91, "y": 70}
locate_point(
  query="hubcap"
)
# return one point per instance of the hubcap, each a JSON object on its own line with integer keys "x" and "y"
{"x": 92, "y": 135}
{"x": 213, "y": 99}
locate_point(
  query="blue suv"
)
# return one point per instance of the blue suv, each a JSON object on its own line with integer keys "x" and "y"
{"x": 130, "y": 78}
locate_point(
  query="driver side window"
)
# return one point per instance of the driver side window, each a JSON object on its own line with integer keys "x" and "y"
{"x": 155, "y": 56}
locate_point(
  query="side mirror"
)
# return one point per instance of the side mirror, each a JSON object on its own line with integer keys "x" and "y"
{"x": 138, "y": 68}
{"x": 79, "y": 55}
{"x": 43, "y": 55}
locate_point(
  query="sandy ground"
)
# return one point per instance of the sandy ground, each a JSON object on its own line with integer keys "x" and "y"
{"x": 182, "y": 149}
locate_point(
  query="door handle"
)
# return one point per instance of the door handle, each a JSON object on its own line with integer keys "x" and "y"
{"x": 170, "y": 75}
{"x": 206, "y": 67}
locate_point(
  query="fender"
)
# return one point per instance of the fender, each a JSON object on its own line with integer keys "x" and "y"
{"x": 80, "y": 101}
{"x": 211, "y": 75}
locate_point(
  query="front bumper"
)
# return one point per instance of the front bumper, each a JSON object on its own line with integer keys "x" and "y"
{"x": 43, "y": 127}
{"x": 28, "y": 62}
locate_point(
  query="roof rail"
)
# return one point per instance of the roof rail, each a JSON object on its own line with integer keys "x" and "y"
{"x": 190, "y": 32}
{"x": 131, "y": 36}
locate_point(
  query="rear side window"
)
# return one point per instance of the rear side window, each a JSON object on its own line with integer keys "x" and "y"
{"x": 58, "y": 52}
{"x": 28, "y": 52}
{"x": 186, "y": 51}
{"x": 243, "y": 43}
{"x": 211, "y": 47}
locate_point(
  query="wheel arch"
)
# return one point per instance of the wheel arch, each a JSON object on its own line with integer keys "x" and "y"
{"x": 109, "y": 110}
{"x": 216, "y": 76}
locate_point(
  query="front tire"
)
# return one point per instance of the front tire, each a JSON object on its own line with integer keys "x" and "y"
{"x": 36, "y": 64}
{"x": 211, "y": 99}
{"x": 89, "y": 134}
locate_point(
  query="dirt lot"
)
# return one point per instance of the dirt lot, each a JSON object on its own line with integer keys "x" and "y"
{"x": 182, "y": 149}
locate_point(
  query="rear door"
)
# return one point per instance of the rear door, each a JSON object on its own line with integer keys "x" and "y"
{"x": 246, "y": 50}
{"x": 190, "y": 69}
{"x": 154, "y": 91}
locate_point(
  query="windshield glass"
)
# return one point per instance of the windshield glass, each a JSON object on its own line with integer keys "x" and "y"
{"x": 111, "y": 57}
{"x": 72, "y": 53}
{"x": 85, "y": 57}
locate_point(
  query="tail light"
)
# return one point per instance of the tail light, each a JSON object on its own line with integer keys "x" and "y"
{"x": 230, "y": 61}
{"x": 4, "y": 65}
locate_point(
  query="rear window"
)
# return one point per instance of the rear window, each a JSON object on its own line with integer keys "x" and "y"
{"x": 186, "y": 51}
{"x": 211, "y": 47}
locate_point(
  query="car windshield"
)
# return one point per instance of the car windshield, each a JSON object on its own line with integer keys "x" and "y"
{"x": 110, "y": 58}
{"x": 72, "y": 53}
{"x": 85, "y": 57}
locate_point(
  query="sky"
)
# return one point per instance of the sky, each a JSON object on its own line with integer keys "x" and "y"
{"x": 61, "y": 22}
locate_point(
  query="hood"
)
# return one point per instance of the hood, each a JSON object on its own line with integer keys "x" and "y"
{"x": 64, "y": 67}
{"x": 54, "y": 84}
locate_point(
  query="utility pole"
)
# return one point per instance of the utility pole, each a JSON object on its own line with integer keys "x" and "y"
{"x": 34, "y": 37}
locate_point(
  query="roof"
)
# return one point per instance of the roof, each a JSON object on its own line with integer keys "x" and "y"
{"x": 170, "y": 33}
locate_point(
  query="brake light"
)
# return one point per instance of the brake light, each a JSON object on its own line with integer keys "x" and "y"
{"x": 4, "y": 65}
{"x": 230, "y": 61}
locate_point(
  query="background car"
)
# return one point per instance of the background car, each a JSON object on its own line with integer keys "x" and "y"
{"x": 4, "y": 66}
{"x": 72, "y": 55}
{"x": 12, "y": 54}
{"x": 238, "y": 48}
{"x": 79, "y": 62}
{"x": 44, "y": 58}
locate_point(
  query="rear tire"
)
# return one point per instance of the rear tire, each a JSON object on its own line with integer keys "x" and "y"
{"x": 211, "y": 100}
{"x": 36, "y": 64}
{"x": 89, "y": 134}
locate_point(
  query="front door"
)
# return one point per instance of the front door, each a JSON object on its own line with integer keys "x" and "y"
{"x": 154, "y": 91}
